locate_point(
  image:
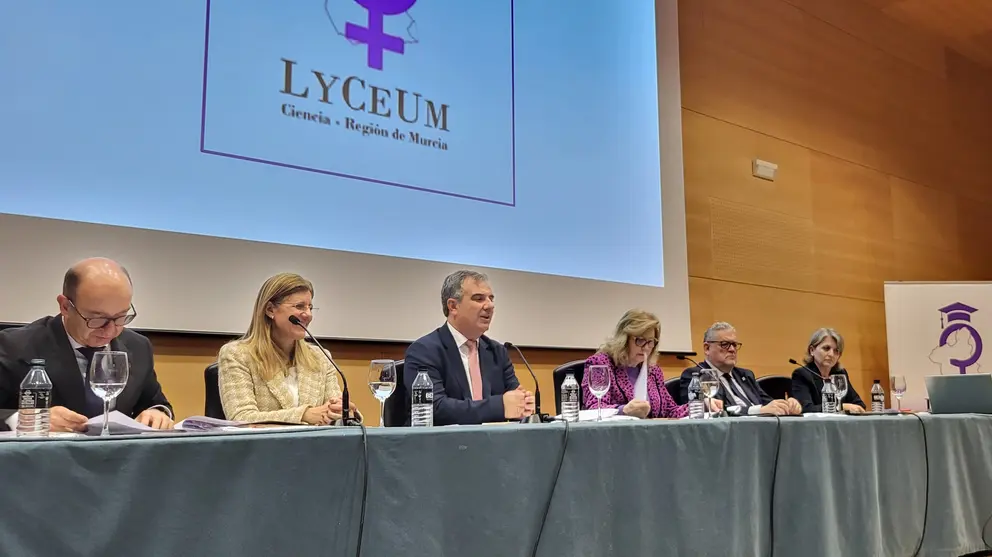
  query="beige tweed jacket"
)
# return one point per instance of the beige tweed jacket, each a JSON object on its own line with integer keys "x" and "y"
{"x": 247, "y": 397}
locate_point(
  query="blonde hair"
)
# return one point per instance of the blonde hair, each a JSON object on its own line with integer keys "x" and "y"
{"x": 634, "y": 323}
{"x": 817, "y": 339}
{"x": 258, "y": 339}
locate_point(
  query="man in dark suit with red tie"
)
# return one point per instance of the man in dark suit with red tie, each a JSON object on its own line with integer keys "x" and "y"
{"x": 473, "y": 377}
{"x": 94, "y": 307}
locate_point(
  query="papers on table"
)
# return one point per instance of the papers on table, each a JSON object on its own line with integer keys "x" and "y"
{"x": 825, "y": 415}
{"x": 118, "y": 423}
{"x": 203, "y": 423}
{"x": 608, "y": 414}
{"x": 121, "y": 424}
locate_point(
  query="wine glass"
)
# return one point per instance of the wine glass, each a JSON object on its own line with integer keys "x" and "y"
{"x": 108, "y": 376}
{"x": 382, "y": 381}
{"x": 709, "y": 383}
{"x": 840, "y": 383}
{"x": 898, "y": 389}
{"x": 599, "y": 383}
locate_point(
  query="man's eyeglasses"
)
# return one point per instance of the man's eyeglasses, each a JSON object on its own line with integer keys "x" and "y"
{"x": 101, "y": 322}
{"x": 302, "y": 306}
{"x": 642, "y": 342}
{"x": 728, "y": 344}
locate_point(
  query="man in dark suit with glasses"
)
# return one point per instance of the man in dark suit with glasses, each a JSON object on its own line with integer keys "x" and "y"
{"x": 738, "y": 386}
{"x": 94, "y": 307}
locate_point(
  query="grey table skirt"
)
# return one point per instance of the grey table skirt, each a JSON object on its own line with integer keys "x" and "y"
{"x": 810, "y": 486}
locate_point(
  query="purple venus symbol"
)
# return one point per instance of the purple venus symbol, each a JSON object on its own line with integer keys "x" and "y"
{"x": 374, "y": 35}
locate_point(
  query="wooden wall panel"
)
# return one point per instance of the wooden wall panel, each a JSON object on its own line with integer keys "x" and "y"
{"x": 879, "y": 135}
{"x": 802, "y": 79}
{"x": 881, "y": 125}
{"x": 852, "y": 218}
{"x": 868, "y": 23}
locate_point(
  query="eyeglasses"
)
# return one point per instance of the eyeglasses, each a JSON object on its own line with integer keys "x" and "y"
{"x": 642, "y": 342}
{"x": 101, "y": 322}
{"x": 727, "y": 344}
{"x": 302, "y": 306}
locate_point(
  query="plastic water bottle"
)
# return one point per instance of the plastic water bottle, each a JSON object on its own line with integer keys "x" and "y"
{"x": 877, "y": 397}
{"x": 829, "y": 397}
{"x": 570, "y": 399}
{"x": 696, "y": 408}
{"x": 422, "y": 400}
{"x": 34, "y": 402}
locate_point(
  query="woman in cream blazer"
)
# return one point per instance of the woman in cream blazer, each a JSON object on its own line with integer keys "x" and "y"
{"x": 272, "y": 373}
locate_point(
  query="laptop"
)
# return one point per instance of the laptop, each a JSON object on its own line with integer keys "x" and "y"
{"x": 960, "y": 394}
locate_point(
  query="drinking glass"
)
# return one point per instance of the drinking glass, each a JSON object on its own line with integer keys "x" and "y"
{"x": 898, "y": 389}
{"x": 108, "y": 376}
{"x": 382, "y": 381}
{"x": 709, "y": 383}
{"x": 599, "y": 383}
{"x": 840, "y": 383}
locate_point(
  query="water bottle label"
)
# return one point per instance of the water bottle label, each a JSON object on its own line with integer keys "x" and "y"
{"x": 877, "y": 397}
{"x": 35, "y": 399}
{"x": 423, "y": 396}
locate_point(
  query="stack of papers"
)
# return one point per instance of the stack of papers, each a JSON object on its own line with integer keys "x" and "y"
{"x": 608, "y": 414}
{"x": 203, "y": 423}
{"x": 118, "y": 423}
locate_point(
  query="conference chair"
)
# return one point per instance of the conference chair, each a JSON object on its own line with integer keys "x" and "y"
{"x": 674, "y": 389}
{"x": 394, "y": 412}
{"x": 558, "y": 375}
{"x": 777, "y": 386}
{"x": 212, "y": 407}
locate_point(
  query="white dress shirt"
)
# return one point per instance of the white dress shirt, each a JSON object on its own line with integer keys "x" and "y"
{"x": 293, "y": 384}
{"x": 462, "y": 342}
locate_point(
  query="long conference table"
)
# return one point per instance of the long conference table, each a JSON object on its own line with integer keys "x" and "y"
{"x": 896, "y": 485}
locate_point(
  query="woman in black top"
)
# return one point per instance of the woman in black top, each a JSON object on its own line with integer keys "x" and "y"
{"x": 823, "y": 360}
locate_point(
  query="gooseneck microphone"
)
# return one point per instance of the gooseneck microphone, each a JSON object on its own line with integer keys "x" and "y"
{"x": 726, "y": 411}
{"x": 795, "y": 363}
{"x": 537, "y": 417}
{"x": 688, "y": 359}
{"x": 345, "y": 399}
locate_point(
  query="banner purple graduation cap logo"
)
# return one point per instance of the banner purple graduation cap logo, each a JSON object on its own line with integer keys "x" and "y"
{"x": 954, "y": 320}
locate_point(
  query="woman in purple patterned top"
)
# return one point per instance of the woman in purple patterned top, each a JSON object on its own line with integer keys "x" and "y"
{"x": 637, "y": 385}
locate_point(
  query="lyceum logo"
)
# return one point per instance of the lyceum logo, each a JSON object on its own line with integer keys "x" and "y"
{"x": 374, "y": 35}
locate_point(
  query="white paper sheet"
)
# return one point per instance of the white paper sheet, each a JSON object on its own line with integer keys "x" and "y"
{"x": 608, "y": 414}
{"x": 118, "y": 423}
{"x": 203, "y": 423}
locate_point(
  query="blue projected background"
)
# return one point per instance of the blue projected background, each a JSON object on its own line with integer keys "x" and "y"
{"x": 516, "y": 135}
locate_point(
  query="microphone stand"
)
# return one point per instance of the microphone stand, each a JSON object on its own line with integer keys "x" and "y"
{"x": 345, "y": 419}
{"x": 722, "y": 413}
{"x": 840, "y": 402}
{"x": 537, "y": 417}
{"x": 688, "y": 359}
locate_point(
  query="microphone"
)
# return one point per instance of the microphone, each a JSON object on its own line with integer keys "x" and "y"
{"x": 536, "y": 417}
{"x": 345, "y": 419}
{"x": 795, "y": 363}
{"x": 687, "y": 358}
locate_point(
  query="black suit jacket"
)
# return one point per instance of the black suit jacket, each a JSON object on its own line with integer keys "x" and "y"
{"x": 438, "y": 355}
{"x": 745, "y": 378}
{"x": 46, "y": 338}
{"x": 807, "y": 388}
